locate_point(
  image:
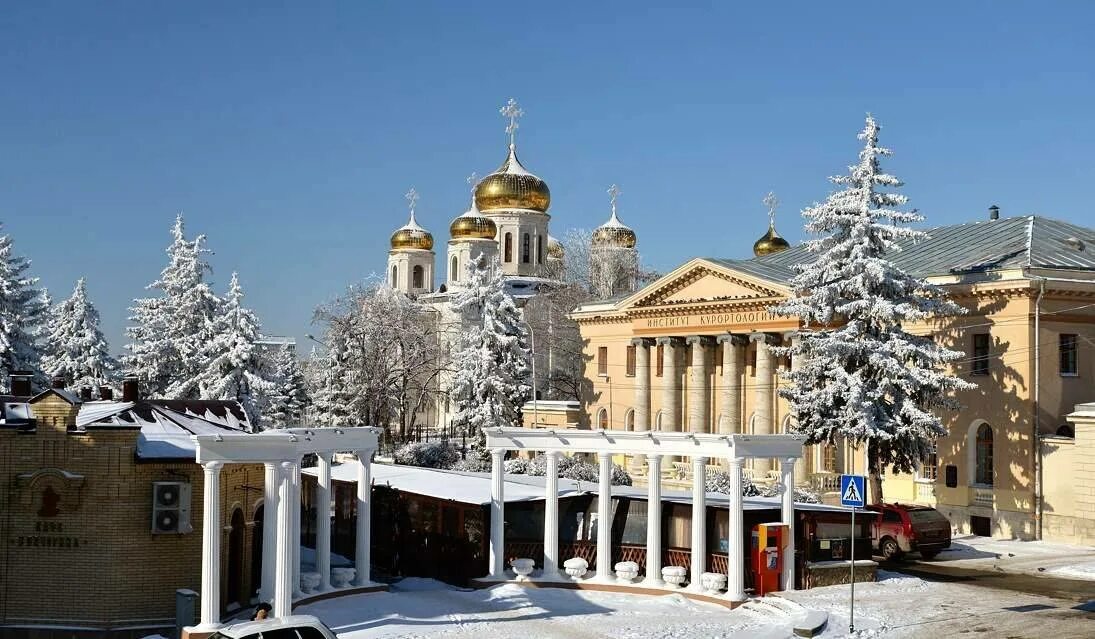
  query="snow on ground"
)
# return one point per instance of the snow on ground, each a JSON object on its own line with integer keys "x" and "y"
{"x": 1010, "y": 555}
{"x": 897, "y": 606}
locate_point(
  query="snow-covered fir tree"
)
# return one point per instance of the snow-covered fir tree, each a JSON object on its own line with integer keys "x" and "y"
{"x": 170, "y": 331}
{"x": 289, "y": 398}
{"x": 333, "y": 398}
{"x": 231, "y": 367}
{"x": 22, "y": 310}
{"x": 492, "y": 364}
{"x": 862, "y": 377}
{"x": 75, "y": 348}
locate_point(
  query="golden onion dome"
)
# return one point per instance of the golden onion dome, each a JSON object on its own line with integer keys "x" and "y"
{"x": 512, "y": 187}
{"x": 770, "y": 243}
{"x": 473, "y": 225}
{"x": 614, "y": 234}
{"x": 555, "y": 249}
{"x": 412, "y": 236}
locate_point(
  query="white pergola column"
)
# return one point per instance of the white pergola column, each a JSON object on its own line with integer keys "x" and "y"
{"x": 787, "y": 468}
{"x": 211, "y": 548}
{"x": 551, "y": 516}
{"x": 323, "y": 519}
{"x": 497, "y": 515}
{"x": 764, "y": 383}
{"x": 654, "y": 522}
{"x": 295, "y": 503}
{"x": 699, "y": 523}
{"x": 271, "y": 486}
{"x": 363, "y": 530}
{"x": 283, "y": 586}
{"x": 642, "y": 383}
{"x": 735, "y": 551}
{"x": 604, "y": 517}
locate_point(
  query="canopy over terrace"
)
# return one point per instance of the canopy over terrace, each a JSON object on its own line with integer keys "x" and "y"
{"x": 700, "y": 447}
{"x": 281, "y": 451}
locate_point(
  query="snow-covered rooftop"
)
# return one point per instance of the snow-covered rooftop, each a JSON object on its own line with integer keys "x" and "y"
{"x": 166, "y": 425}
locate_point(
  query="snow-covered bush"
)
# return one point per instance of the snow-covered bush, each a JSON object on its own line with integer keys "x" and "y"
{"x": 620, "y": 476}
{"x": 573, "y": 468}
{"x": 579, "y": 471}
{"x": 517, "y": 466}
{"x": 801, "y": 494}
{"x": 718, "y": 481}
{"x": 477, "y": 461}
{"x": 427, "y": 455}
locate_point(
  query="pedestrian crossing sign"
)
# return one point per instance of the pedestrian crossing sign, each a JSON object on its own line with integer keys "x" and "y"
{"x": 853, "y": 491}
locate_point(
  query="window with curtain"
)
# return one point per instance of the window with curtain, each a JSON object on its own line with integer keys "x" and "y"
{"x": 930, "y": 468}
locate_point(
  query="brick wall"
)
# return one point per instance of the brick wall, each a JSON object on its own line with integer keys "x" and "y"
{"x": 85, "y": 555}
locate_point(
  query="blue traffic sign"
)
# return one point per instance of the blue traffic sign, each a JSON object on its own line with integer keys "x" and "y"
{"x": 853, "y": 491}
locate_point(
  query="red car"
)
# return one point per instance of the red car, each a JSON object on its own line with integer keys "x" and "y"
{"x": 903, "y": 528}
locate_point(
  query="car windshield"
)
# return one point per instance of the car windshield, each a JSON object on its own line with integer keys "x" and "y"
{"x": 927, "y": 516}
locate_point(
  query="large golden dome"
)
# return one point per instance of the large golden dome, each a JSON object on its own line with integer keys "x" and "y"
{"x": 412, "y": 236}
{"x": 770, "y": 243}
{"x": 473, "y": 226}
{"x": 512, "y": 187}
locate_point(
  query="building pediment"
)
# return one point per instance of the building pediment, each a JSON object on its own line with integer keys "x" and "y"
{"x": 699, "y": 282}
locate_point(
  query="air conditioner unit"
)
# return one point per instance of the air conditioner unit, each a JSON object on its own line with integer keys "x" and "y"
{"x": 171, "y": 507}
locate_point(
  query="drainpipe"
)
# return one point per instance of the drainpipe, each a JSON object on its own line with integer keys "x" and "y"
{"x": 1036, "y": 434}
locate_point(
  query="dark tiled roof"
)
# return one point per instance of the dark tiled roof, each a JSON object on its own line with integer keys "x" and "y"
{"x": 974, "y": 247}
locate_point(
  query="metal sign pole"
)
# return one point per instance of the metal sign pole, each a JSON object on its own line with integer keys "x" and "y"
{"x": 851, "y": 617}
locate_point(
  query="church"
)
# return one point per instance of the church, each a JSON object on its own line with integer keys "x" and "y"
{"x": 692, "y": 351}
{"x": 507, "y": 220}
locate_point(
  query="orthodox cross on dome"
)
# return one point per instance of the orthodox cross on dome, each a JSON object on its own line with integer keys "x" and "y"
{"x": 772, "y": 202}
{"x": 473, "y": 181}
{"x": 613, "y": 193}
{"x": 511, "y": 112}
{"x": 412, "y": 197}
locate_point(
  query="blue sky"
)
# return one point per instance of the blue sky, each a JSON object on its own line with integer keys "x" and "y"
{"x": 289, "y": 134}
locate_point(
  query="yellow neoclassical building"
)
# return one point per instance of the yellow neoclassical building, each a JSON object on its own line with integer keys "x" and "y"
{"x": 692, "y": 352}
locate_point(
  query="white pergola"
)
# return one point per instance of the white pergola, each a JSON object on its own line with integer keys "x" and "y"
{"x": 281, "y": 451}
{"x": 700, "y": 447}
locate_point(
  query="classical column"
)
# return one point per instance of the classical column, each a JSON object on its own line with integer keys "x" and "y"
{"x": 271, "y": 487}
{"x": 735, "y": 546}
{"x": 283, "y": 583}
{"x": 733, "y": 361}
{"x": 790, "y": 339}
{"x": 295, "y": 479}
{"x": 604, "y": 517}
{"x": 211, "y": 548}
{"x": 323, "y": 519}
{"x": 787, "y": 469}
{"x": 551, "y": 516}
{"x": 697, "y": 387}
{"x": 671, "y": 390}
{"x": 642, "y": 383}
{"x": 497, "y": 515}
{"x": 363, "y": 530}
{"x": 654, "y": 522}
{"x": 699, "y": 523}
{"x": 765, "y": 392}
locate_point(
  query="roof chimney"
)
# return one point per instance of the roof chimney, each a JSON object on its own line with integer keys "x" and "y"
{"x": 994, "y": 212}
{"x": 130, "y": 389}
{"x": 106, "y": 393}
{"x": 57, "y": 381}
{"x": 85, "y": 393}
{"x": 20, "y": 383}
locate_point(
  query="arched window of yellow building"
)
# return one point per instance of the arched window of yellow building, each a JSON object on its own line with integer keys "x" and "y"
{"x": 629, "y": 420}
{"x": 602, "y": 419}
{"x": 984, "y": 474}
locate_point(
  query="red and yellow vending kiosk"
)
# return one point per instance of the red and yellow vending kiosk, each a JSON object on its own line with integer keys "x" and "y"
{"x": 766, "y": 556}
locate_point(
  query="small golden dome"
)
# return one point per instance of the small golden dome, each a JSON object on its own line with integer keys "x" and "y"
{"x": 412, "y": 236}
{"x": 614, "y": 234}
{"x": 512, "y": 187}
{"x": 555, "y": 249}
{"x": 473, "y": 226}
{"x": 770, "y": 243}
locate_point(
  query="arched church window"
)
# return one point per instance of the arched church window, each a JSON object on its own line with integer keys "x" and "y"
{"x": 454, "y": 272}
{"x": 417, "y": 277}
{"x": 525, "y": 248}
{"x": 509, "y": 247}
{"x": 539, "y": 249}
{"x": 395, "y": 276}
